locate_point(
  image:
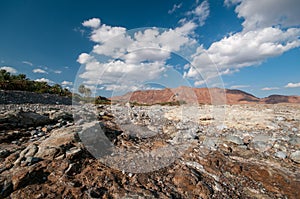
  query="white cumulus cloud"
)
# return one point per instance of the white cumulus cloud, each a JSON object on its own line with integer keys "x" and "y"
{"x": 253, "y": 47}
{"x": 9, "y": 69}
{"x": 38, "y": 70}
{"x": 121, "y": 75}
{"x": 131, "y": 58}
{"x": 93, "y": 23}
{"x": 105, "y": 32}
{"x": 239, "y": 86}
{"x": 244, "y": 49}
{"x": 57, "y": 71}
{"x": 200, "y": 13}
{"x": 45, "y": 80}
{"x": 270, "y": 88}
{"x": 66, "y": 83}
{"x": 267, "y": 13}
{"x": 270, "y": 28}
{"x": 293, "y": 85}
{"x": 83, "y": 58}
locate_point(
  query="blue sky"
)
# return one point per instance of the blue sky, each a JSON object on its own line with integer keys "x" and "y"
{"x": 111, "y": 46}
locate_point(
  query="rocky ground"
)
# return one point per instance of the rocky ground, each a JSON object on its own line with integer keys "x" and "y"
{"x": 232, "y": 151}
{"x": 24, "y": 97}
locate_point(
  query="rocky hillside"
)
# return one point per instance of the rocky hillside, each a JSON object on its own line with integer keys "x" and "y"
{"x": 202, "y": 96}
{"x": 275, "y": 99}
{"x": 25, "y": 97}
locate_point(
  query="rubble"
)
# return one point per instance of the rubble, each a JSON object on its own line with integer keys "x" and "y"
{"x": 150, "y": 152}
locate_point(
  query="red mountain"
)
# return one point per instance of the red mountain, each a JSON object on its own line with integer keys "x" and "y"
{"x": 201, "y": 96}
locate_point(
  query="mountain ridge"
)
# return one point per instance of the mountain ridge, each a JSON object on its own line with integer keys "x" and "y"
{"x": 184, "y": 94}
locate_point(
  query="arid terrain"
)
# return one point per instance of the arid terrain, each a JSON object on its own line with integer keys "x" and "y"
{"x": 187, "y": 151}
{"x": 171, "y": 99}
{"x": 202, "y": 96}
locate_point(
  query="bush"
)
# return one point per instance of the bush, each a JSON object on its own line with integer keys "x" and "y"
{"x": 20, "y": 82}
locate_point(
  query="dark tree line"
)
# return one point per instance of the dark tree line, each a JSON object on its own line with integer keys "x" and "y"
{"x": 21, "y": 82}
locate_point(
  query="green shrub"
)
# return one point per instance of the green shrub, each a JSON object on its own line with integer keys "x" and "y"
{"x": 22, "y": 83}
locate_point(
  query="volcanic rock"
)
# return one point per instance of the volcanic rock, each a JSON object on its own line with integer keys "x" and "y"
{"x": 174, "y": 153}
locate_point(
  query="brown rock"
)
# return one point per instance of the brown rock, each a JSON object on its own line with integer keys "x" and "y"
{"x": 45, "y": 129}
{"x": 201, "y": 96}
{"x": 25, "y": 177}
{"x": 190, "y": 187}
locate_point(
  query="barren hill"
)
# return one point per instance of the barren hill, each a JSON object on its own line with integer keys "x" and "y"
{"x": 202, "y": 96}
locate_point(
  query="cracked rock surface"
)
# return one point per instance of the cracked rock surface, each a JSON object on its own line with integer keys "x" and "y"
{"x": 231, "y": 151}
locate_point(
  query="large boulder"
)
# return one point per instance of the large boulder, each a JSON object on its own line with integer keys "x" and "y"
{"x": 21, "y": 119}
{"x": 60, "y": 140}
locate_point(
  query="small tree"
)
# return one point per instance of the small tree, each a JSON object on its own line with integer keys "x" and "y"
{"x": 84, "y": 90}
{"x": 4, "y": 75}
{"x": 21, "y": 77}
{"x": 81, "y": 89}
{"x": 88, "y": 92}
{"x": 56, "y": 88}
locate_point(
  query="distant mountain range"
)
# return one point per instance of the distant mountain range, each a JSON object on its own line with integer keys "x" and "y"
{"x": 185, "y": 94}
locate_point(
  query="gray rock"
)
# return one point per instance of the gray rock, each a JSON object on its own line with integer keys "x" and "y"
{"x": 15, "y": 142}
{"x": 210, "y": 143}
{"x": 280, "y": 146}
{"x": 295, "y": 141}
{"x": 32, "y": 160}
{"x": 280, "y": 118}
{"x": 29, "y": 151}
{"x": 78, "y": 122}
{"x": 60, "y": 115}
{"x": 262, "y": 138}
{"x": 102, "y": 113}
{"x": 182, "y": 136}
{"x": 47, "y": 152}
{"x": 221, "y": 127}
{"x": 53, "y": 146}
{"x": 138, "y": 131}
{"x": 169, "y": 129}
{"x": 260, "y": 145}
{"x": 15, "y": 119}
{"x": 33, "y": 132}
{"x": 40, "y": 134}
{"x": 234, "y": 139}
{"x": 295, "y": 156}
{"x": 280, "y": 154}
